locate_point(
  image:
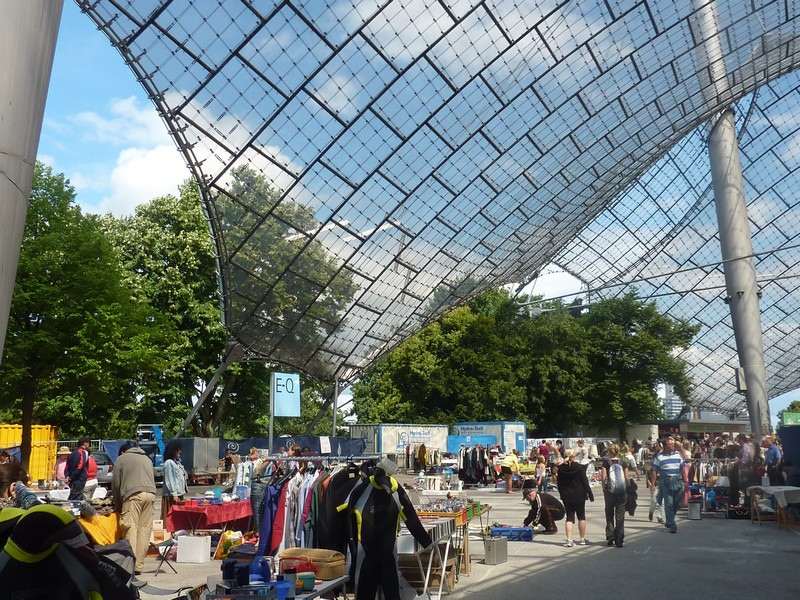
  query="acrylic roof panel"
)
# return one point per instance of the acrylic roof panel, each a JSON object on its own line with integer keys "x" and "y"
{"x": 418, "y": 153}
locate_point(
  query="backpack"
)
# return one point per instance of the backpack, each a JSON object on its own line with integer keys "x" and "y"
{"x": 46, "y": 555}
{"x": 615, "y": 482}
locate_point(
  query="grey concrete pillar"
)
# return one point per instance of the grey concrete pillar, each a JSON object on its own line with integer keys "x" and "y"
{"x": 28, "y": 32}
{"x": 740, "y": 273}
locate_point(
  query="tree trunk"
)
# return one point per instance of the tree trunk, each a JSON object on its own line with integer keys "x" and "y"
{"x": 325, "y": 406}
{"x": 28, "y": 397}
{"x": 221, "y": 405}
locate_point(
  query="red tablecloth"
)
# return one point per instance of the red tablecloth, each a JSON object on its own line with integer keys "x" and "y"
{"x": 189, "y": 516}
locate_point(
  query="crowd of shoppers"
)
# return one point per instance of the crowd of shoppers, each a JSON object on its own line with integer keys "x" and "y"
{"x": 665, "y": 465}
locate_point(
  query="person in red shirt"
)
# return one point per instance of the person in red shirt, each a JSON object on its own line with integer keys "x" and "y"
{"x": 544, "y": 450}
{"x": 91, "y": 477}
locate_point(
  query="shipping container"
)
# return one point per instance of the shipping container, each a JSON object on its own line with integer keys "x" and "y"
{"x": 44, "y": 444}
{"x": 509, "y": 434}
{"x": 393, "y": 439}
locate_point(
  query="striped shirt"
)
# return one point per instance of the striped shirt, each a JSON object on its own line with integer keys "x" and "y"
{"x": 668, "y": 463}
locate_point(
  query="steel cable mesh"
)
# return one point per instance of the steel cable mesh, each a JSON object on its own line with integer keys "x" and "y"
{"x": 367, "y": 166}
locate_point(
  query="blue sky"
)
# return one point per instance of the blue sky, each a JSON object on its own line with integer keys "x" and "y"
{"x": 102, "y": 132}
{"x": 100, "y": 129}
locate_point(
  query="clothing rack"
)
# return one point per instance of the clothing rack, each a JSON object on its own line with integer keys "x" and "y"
{"x": 326, "y": 457}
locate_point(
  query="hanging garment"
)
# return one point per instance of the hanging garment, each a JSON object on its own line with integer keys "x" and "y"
{"x": 374, "y": 509}
{"x": 332, "y": 523}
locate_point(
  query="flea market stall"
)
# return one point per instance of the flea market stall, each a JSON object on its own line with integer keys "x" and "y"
{"x": 403, "y": 443}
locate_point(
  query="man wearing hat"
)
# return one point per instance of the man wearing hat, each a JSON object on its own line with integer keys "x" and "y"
{"x": 59, "y": 474}
{"x": 545, "y": 510}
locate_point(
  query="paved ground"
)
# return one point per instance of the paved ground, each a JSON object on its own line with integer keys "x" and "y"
{"x": 714, "y": 556}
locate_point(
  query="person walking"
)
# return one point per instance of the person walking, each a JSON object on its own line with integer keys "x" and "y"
{"x": 76, "y": 470}
{"x": 508, "y": 467}
{"x": 656, "y": 502}
{"x": 582, "y": 452}
{"x": 574, "y": 489}
{"x": 175, "y": 478}
{"x": 134, "y": 487}
{"x": 615, "y": 484}
{"x": 671, "y": 480}
{"x": 773, "y": 459}
{"x": 540, "y": 474}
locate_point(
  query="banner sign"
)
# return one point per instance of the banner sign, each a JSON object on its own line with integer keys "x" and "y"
{"x": 285, "y": 391}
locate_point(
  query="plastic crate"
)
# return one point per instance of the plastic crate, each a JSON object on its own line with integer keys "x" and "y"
{"x": 460, "y": 517}
{"x": 514, "y": 534}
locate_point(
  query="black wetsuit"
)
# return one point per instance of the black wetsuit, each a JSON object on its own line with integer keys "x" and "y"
{"x": 374, "y": 509}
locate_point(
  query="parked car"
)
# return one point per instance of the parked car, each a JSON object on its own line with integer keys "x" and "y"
{"x": 104, "y": 467}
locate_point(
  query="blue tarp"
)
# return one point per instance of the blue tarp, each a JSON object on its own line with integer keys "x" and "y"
{"x": 111, "y": 447}
{"x": 339, "y": 446}
{"x": 454, "y": 442}
{"x": 14, "y": 452}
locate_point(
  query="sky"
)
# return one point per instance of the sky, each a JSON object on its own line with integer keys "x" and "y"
{"x": 100, "y": 129}
{"x": 104, "y": 134}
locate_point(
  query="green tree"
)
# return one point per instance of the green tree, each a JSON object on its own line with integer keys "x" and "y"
{"x": 457, "y": 369}
{"x": 631, "y": 351}
{"x": 793, "y": 407}
{"x": 170, "y": 262}
{"x": 283, "y": 287}
{"x": 167, "y": 249}
{"x": 247, "y": 414}
{"x": 76, "y": 342}
{"x": 556, "y": 351}
{"x": 557, "y": 369}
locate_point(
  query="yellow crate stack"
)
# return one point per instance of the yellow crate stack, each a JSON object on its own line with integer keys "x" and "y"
{"x": 44, "y": 443}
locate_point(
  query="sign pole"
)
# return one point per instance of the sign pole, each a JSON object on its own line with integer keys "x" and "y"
{"x": 271, "y": 417}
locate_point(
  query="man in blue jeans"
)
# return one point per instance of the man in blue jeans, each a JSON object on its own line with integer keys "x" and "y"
{"x": 670, "y": 477}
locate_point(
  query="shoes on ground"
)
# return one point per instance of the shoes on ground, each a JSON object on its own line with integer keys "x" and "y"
{"x": 660, "y": 520}
{"x": 650, "y": 515}
{"x": 553, "y": 532}
{"x": 569, "y": 544}
{"x": 673, "y": 530}
{"x": 583, "y": 542}
{"x": 610, "y": 543}
{"x": 619, "y": 545}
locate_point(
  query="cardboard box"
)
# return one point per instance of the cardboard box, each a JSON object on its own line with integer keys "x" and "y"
{"x": 194, "y": 549}
{"x": 158, "y": 535}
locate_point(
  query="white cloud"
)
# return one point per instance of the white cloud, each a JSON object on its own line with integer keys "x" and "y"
{"x": 140, "y": 175}
{"x": 47, "y": 159}
{"x": 129, "y": 123}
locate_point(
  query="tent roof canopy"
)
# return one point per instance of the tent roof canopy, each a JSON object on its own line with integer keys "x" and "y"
{"x": 366, "y": 166}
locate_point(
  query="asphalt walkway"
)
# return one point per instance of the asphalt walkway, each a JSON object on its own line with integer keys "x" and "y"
{"x": 714, "y": 556}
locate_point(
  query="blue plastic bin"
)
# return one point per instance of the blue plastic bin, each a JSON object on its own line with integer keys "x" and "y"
{"x": 514, "y": 534}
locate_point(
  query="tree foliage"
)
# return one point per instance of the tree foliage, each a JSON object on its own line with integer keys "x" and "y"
{"x": 77, "y": 343}
{"x": 166, "y": 252}
{"x": 299, "y": 304}
{"x": 793, "y": 407}
{"x": 488, "y": 361}
{"x": 631, "y": 348}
